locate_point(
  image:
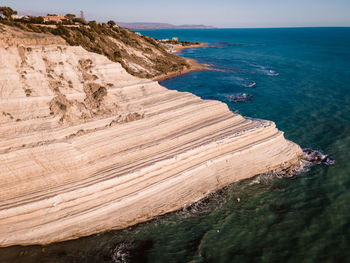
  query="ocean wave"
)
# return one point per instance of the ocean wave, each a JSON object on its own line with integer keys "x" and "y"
{"x": 263, "y": 179}
{"x": 272, "y": 73}
{"x": 252, "y": 85}
{"x": 310, "y": 158}
{"x": 267, "y": 71}
{"x": 121, "y": 253}
{"x": 255, "y": 69}
{"x": 264, "y": 70}
{"x": 244, "y": 82}
{"x": 211, "y": 201}
{"x": 131, "y": 251}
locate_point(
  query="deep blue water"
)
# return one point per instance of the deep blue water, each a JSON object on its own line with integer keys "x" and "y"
{"x": 302, "y": 80}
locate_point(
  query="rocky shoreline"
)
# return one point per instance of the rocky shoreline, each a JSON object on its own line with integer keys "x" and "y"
{"x": 91, "y": 148}
{"x": 194, "y": 66}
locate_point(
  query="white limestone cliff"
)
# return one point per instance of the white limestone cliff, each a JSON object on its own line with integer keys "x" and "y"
{"x": 85, "y": 147}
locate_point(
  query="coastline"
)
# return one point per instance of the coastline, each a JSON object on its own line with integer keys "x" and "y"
{"x": 194, "y": 64}
{"x": 178, "y": 48}
{"x": 231, "y": 223}
{"x": 113, "y": 145}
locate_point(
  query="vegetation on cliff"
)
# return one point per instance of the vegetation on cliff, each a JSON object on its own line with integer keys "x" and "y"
{"x": 141, "y": 56}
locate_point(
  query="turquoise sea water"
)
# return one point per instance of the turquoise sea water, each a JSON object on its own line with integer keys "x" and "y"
{"x": 302, "y": 84}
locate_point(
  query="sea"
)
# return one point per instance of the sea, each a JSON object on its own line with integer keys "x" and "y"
{"x": 300, "y": 79}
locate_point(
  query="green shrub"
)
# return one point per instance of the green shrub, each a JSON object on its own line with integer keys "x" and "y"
{"x": 111, "y": 23}
{"x": 80, "y": 20}
{"x": 7, "y": 12}
{"x": 61, "y": 31}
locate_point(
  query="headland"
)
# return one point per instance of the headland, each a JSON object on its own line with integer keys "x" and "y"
{"x": 87, "y": 147}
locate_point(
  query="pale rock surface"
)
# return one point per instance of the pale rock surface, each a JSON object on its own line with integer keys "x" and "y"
{"x": 85, "y": 147}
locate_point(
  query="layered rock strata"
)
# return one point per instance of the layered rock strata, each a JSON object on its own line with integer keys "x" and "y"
{"x": 85, "y": 147}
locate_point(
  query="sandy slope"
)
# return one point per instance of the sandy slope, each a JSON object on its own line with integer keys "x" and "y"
{"x": 85, "y": 147}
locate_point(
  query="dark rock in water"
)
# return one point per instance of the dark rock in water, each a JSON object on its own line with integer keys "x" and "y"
{"x": 239, "y": 97}
{"x": 317, "y": 157}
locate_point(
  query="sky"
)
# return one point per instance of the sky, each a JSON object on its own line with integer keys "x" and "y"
{"x": 218, "y": 13}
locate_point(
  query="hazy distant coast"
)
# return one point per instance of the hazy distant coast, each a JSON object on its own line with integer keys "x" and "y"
{"x": 146, "y": 25}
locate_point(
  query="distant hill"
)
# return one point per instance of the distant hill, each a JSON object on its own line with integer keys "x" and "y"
{"x": 160, "y": 26}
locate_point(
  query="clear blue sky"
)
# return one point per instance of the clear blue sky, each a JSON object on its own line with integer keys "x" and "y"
{"x": 220, "y": 13}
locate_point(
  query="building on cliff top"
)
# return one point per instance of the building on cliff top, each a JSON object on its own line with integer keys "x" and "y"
{"x": 54, "y": 18}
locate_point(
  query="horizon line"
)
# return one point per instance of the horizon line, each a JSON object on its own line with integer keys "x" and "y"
{"x": 272, "y": 27}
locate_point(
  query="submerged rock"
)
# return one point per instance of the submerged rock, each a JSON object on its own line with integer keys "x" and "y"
{"x": 309, "y": 158}
{"x": 317, "y": 157}
{"x": 243, "y": 97}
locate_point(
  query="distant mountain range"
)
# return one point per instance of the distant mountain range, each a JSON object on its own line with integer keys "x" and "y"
{"x": 160, "y": 26}
{"x": 136, "y": 25}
